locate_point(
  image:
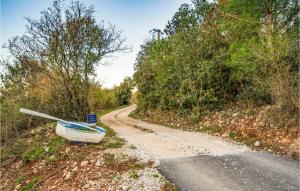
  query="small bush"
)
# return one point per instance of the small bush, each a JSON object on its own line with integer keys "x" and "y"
{"x": 232, "y": 135}
{"x": 35, "y": 153}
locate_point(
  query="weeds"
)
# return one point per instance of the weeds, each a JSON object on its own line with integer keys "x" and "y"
{"x": 109, "y": 158}
{"x": 134, "y": 174}
{"x": 19, "y": 180}
{"x": 147, "y": 130}
{"x": 232, "y": 135}
{"x": 139, "y": 165}
{"x": 168, "y": 187}
{"x": 56, "y": 144}
{"x": 143, "y": 129}
{"x": 249, "y": 140}
{"x": 113, "y": 142}
{"x": 35, "y": 153}
{"x": 132, "y": 146}
{"x": 40, "y": 151}
{"x": 212, "y": 129}
{"x": 16, "y": 150}
{"x": 51, "y": 159}
{"x": 32, "y": 185}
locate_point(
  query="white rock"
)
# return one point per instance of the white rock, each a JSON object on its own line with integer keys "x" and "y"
{"x": 52, "y": 187}
{"x": 235, "y": 114}
{"x": 98, "y": 163}
{"x": 67, "y": 150}
{"x": 92, "y": 182}
{"x": 51, "y": 157}
{"x": 84, "y": 163}
{"x": 257, "y": 143}
{"x": 75, "y": 168}
{"x": 18, "y": 165}
{"x": 46, "y": 148}
{"x": 68, "y": 175}
{"x": 18, "y": 187}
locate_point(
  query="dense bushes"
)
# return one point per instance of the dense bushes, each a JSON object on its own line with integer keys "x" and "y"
{"x": 123, "y": 92}
{"x": 216, "y": 53}
{"x": 13, "y": 122}
{"x": 104, "y": 98}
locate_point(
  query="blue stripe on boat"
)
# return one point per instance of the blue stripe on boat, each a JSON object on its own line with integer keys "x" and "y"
{"x": 81, "y": 127}
{"x": 101, "y": 129}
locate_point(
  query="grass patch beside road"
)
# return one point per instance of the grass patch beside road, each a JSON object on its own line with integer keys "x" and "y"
{"x": 41, "y": 144}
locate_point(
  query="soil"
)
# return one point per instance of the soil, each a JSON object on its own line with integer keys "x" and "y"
{"x": 75, "y": 166}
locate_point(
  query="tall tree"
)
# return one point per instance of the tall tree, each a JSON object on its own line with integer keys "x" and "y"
{"x": 66, "y": 43}
{"x": 123, "y": 92}
{"x": 182, "y": 20}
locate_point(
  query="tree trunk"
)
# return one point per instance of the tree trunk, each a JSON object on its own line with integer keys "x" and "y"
{"x": 86, "y": 91}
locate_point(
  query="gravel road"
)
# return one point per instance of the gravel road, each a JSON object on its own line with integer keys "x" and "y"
{"x": 197, "y": 161}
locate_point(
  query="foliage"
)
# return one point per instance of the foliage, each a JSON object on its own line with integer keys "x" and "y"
{"x": 101, "y": 98}
{"x": 123, "y": 92}
{"x": 168, "y": 187}
{"x": 38, "y": 150}
{"x": 134, "y": 174}
{"x": 217, "y": 53}
{"x": 32, "y": 185}
{"x": 104, "y": 98}
{"x": 109, "y": 158}
{"x": 57, "y": 55}
{"x": 53, "y": 65}
{"x": 16, "y": 150}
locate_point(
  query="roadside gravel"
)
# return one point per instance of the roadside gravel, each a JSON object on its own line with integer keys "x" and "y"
{"x": 161, "y": 142}
{"x": 196, "y": 161}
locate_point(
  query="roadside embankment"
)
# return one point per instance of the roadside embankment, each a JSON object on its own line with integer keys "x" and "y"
{"x": 238, "y": 124}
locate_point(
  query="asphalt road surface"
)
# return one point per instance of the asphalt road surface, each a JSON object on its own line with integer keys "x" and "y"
{"x": 199, "y": 162}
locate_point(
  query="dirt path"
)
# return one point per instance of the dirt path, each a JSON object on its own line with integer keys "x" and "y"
{"x": 197, "y": 161}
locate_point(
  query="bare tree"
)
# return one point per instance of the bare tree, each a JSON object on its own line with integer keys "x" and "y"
{"x": 66, "y": 43}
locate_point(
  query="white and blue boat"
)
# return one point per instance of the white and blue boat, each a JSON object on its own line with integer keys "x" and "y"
{"x": 73, "y": 131}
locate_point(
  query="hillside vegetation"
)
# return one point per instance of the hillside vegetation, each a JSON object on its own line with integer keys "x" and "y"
{"x": 229, "y": 69}
{"x": 215, "y": 54}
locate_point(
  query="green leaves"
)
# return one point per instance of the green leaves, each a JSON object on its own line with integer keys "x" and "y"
{"x": 123, "y": 92}
{"x": 57, "y": 56}
{"x": 235, "y": 51}
{"x": 241, "y": 60}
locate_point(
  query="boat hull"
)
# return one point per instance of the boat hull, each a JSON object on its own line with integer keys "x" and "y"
{"x": 71, "y": 132}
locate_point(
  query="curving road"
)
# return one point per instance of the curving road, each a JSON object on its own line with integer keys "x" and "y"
{"x": 197, "y": 161}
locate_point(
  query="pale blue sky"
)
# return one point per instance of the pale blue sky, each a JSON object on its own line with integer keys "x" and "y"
{"x": 134, "y": 17}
